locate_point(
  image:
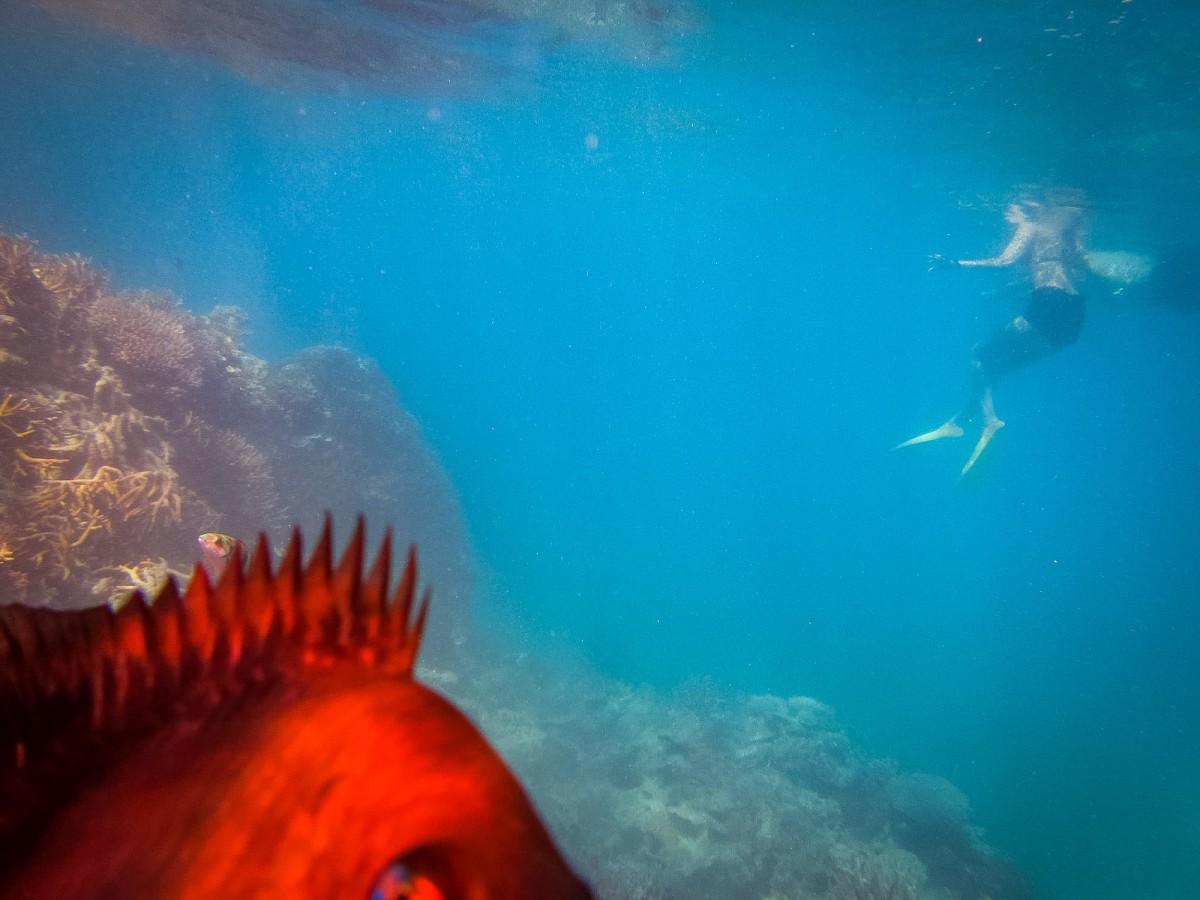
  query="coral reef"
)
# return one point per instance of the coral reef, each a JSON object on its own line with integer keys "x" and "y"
{"x": 146, "y": 337}
{"x": 697, "y": 794}
{"x": 129, "y": 426}
{"x": 87, "y": 485}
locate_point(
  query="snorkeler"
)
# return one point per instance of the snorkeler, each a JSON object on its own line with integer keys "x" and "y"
{"x": 1049, "y": 240}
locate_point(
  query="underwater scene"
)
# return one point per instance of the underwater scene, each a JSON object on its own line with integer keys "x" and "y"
{"x": 793, "y": 407}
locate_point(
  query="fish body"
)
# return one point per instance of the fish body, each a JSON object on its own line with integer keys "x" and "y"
{"x": 215, "y": 551}
{"x": 260, "y": 738}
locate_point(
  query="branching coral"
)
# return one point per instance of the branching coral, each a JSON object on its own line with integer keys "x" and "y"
{"x": 118, "y": 583}
{"x": 10, "y": 408}
{"x": 89, "y": 484}
{"x": 236, "y": 475}
{"x": 148, "y": 341}
{"x": 43, "y": 310}
{"x": 128, "y": 426}
{"x": 89, "y": 475}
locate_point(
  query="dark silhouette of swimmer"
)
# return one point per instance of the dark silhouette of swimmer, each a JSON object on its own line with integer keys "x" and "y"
{"x": 1050, "y": 242}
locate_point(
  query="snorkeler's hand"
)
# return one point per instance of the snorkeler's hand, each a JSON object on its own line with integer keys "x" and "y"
{"x": 938, "y": 261}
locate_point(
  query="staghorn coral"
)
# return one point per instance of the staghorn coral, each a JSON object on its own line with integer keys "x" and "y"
{"x": 84, "y": 488}
{"x": 129, "y": 426}
{"x": 9, "y": 407}
{"x": 122, "y": 582}
{"x": 99, "y": 476}
{"x": 44, "y": 301}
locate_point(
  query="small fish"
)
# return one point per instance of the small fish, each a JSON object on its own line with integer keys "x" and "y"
{"x": 261, "y": 737}
{"x": 215, "y": 550}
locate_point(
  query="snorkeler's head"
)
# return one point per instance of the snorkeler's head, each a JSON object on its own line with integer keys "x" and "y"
{"x": 1034, "y": 201}
{"x": 1061, "y": 209}
{"x": 1019, "y": 212}
{"x": 1066, "y": 198}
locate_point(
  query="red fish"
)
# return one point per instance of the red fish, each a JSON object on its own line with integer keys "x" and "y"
{"x": 260, "y": 738}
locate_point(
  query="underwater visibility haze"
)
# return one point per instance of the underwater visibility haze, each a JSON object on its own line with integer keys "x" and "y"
{"x": 619, "y": 309}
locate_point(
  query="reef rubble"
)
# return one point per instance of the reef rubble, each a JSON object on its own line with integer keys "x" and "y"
{"x": 701, "y": 793}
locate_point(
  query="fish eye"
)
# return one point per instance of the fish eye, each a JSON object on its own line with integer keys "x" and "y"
{"x": 400, "y": 881}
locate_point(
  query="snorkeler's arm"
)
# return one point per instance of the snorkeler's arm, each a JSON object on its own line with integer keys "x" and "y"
{"x": 1009, "y": 254}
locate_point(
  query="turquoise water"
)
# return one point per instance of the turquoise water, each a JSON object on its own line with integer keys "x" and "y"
{"x": 664, "y": 323}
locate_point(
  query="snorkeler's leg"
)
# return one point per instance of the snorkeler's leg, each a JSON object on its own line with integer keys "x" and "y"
{"x": 991, "y": 424}
{"x": 950, "y": 428}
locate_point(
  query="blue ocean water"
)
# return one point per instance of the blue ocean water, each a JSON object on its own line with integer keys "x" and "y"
{"x": 665, "y": 322}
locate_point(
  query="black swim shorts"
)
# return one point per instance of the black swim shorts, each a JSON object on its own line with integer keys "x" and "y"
{"x": 1053, "y": 319}
{"x": 1056, "y": 314}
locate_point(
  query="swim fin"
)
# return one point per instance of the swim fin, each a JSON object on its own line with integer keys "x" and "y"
{"x": 948, "y": 430}
{"x": 985, "y": 438}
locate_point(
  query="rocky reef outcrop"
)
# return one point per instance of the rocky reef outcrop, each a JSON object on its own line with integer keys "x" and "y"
{"x": 129, "y": 426}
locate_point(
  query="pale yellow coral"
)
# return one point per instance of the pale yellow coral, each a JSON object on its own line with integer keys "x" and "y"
{"x": 109, "y": 390}
{"x": 63, "y": 273}
{"x": 9, "y": 408}
{"x": 147, "y": 576}
{"x": 47, "y": 467}
{"x": 95, "y": 521}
